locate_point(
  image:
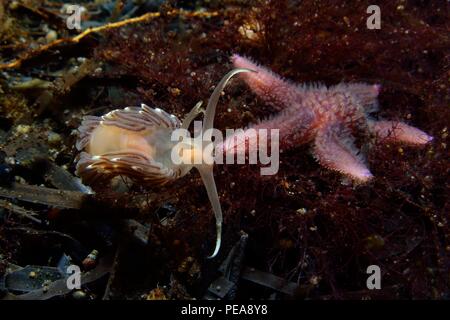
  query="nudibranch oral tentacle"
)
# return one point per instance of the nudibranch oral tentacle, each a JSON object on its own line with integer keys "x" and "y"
{"x": 206, "y": 170}
{"x": 136, "y": 142}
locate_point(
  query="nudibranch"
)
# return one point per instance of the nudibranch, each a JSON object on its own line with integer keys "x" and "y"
{"x": 327, "y": 117}
{"x": 136, "y": 142}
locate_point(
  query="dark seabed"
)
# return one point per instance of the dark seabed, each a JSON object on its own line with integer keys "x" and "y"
{"x": 305, "y": 233}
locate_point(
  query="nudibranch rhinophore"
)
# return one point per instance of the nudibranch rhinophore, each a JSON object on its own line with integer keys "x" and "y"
{"x": 136, "y": 142}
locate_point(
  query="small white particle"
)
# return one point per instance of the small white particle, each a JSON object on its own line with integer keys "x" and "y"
{"x": 115, "y": 159}
{"x": 157, "y": 109}
{"x": 90, "y": 166}
{"x": 134, "y": 168}
{"x": 95, "y": 157}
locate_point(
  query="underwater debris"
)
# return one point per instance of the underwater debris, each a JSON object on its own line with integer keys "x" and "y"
{"x": 59, "y": 287}
{"x": 113, "y": 25}
{"x": 137, "y": 143}
{"x": 91, "y": 260}
{"x": 270, "y": 280}
{"x": 20, "y": 211}
{"x": 326, "y": 115}
{"x": 87, "y": 205}
{"x": 225, "y": 286}
{"x": 47, "y": 196}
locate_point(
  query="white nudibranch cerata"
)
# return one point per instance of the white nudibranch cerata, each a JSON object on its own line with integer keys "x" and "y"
{"x": 136, "y": 142}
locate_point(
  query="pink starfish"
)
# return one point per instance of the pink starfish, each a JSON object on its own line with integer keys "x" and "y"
{"x": 325, "y": 116}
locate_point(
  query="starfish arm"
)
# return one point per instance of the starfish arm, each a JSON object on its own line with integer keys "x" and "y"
{"x": 242, "y": 142}
{"x": 270, "y": 87}
{"x": 395, "y": 131}
{"x": 295, "y": 127}
{"x": 334, "y": 149}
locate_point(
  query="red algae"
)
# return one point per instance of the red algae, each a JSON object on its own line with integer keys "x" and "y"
{"x": 330, "y": 226}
